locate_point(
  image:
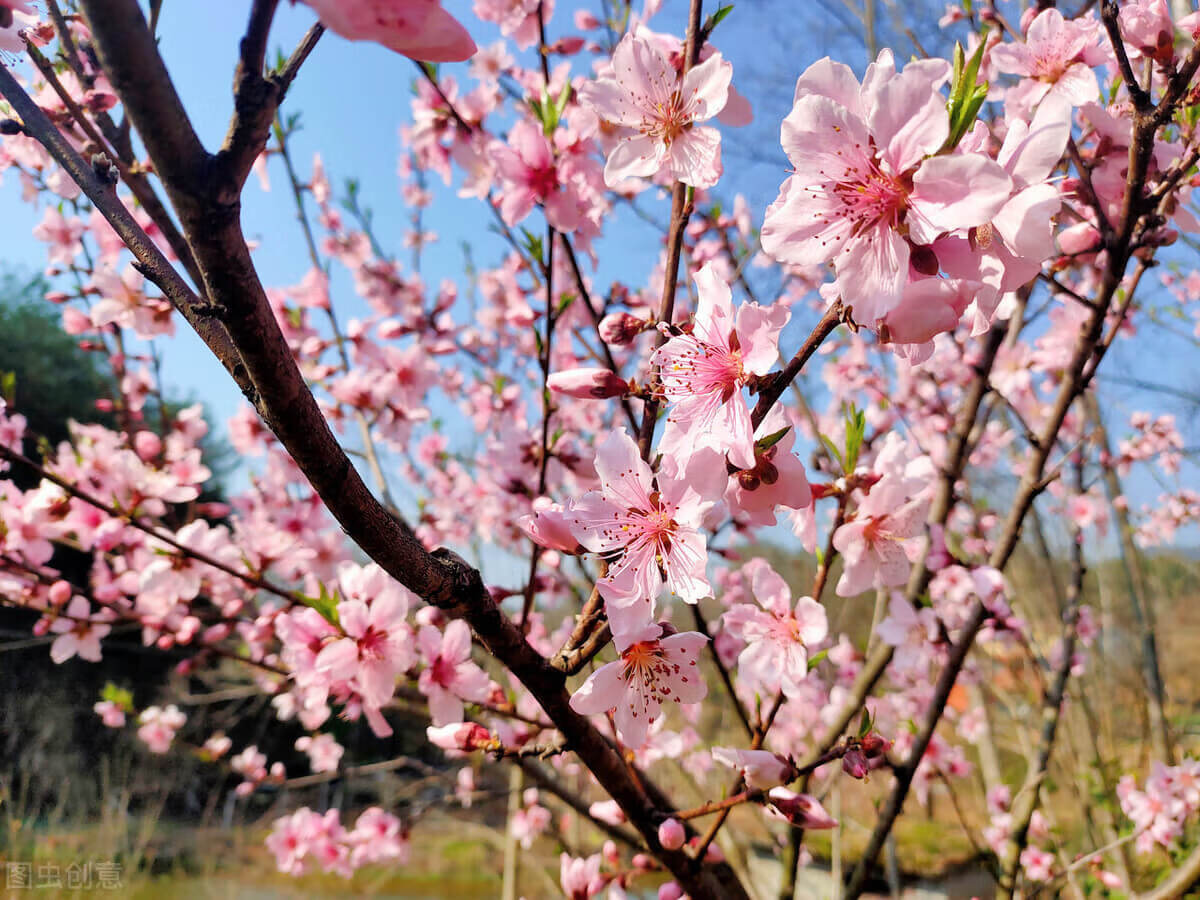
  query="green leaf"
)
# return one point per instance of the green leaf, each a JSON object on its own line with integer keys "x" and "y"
{"x": 865, "y": 724}
{"x": 714, "y": 20}
{"x": 325, "y": 604}
{"x": 8, "y": 387}
{"x": 834, "y": 451}
{"x": 563, "y": 303}
{"x": 766, "y": 443}
{"x": 816, "y": 659}
{"x": 120, "y": 696}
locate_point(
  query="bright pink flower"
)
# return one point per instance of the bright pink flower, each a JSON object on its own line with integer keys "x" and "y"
{"x": 646, "y": 95}
{"x": 648, "y": 531}
{"x": 703, "y": 372}
{"x": 652, "y": 670}
{"x": 529, "y": 173}
{"x": 778, "y": 637}
{"x": 867, "y": 186}
{"x": 449, "y": 676}
{"x": 419, "y": 29}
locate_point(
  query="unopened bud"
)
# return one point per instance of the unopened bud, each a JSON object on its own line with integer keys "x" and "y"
{"x": 620, "y": 328}
{"x": 60, "y": 593}
{"x": 671, "y": 834}
{"x": 854, "y": 763}
{"x": 465, "y": 736}
{"x": 10, "y": 126}
{"x": 588, "y": 384}
{"x": 802, "y": 810}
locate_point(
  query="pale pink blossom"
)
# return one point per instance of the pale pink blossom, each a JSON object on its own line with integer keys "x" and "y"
{"x": 79, "y": 632}
{"x": 761, "y": 769}
{"x": 324, "y": 752}
{"x": 648, "y": 528}
{"x": 1051, "y": 61}
{"x": 778, "y": 636}
{"x": 703, "y": 371}
{"x": 580, "y": 878}
{"x": 646, "y": 96}
{"x": 651, "y": 671}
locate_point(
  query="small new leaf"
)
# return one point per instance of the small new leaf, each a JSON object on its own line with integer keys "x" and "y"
{"x": 766, "y": 443}
{"x": 325, "y": 604}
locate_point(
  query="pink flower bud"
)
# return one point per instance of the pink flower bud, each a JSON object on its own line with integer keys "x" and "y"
{"x": 670, "y": 891}
{"x": 620, "y": 328}
{"x": 854, "y": 763}
{"x": 465, "y": 736}
{"x": 671, "y": 834}
{"x": 585, "y": 20}
{"x": 60, "y": 593}
{"x": 147, "y": 444}
{"x": 588, "y": 384}
{"x": 802, "y": 810}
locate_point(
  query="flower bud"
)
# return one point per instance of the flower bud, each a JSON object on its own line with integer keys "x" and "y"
{"x": 620, "y": 328}
{"x": 671, "y": 834}
{"x": 465, "y": 736}
{"x": 588, "y": 384}
{"x": 854, "y": 763}
{"x": 802, "y": 810}
{"x": 670, "y": 891}
{"x": 60, "y": 593}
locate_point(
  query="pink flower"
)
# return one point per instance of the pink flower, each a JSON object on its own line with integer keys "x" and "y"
{"x": 517, "y": 19}
{"x": 62, "y": 234}
{"x": 324, "y": 752}
{"x": 867, "y": 186}
{"x": 377, "y": 646}
{"x": 646, "y": 95}
{"x": 529, "y": 173}
{"x": 419, "y": 29}
{"x": 111, "y": 713}
{"x": 873, "y": 544}
{"x": 777, "y": 637}
{"x": 549, "y": 526}
{"x": 449, "y": 677}
{"x": 650, "y": 672}
{"x": 649, "y": 533}
{"x": 1051, "y": 61}
{"x": 580, "y": 878}
{"x": 78, "y": 633}
{"x": 461, "y": 736}
{"x": 703, "y": 372}
{"x": 159, "y": 727}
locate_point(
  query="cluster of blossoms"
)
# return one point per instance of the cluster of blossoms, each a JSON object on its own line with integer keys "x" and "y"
{"x": 913, "y": 223}
{"x": 1162, "y": 808}
{"x": 304, "y": 837}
